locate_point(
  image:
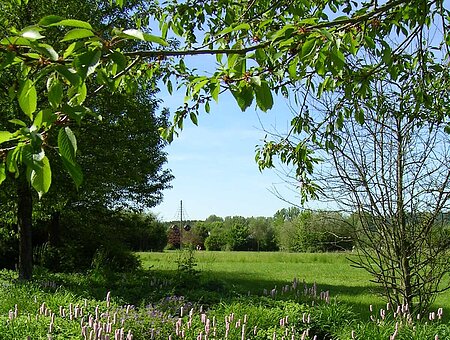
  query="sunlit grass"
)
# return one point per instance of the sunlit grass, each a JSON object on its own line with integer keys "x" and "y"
{"x": 255, "y": 271}
{"x": 229, "y": 295}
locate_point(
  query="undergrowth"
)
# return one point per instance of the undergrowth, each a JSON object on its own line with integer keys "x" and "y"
{"x": 184, "y": 304}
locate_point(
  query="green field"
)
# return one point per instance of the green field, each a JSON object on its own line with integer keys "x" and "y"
{"x": 256, "y": 271}
{"x": 223, "y": 297}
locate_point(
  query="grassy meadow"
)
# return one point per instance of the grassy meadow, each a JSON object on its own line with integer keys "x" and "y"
{"x": 211, "y": 295}
{"x": 256, "y": 271}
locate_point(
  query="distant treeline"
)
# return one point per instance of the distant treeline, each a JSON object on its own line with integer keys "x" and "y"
{"x": 290, "y": 229}
{"x": 84, "y": 239}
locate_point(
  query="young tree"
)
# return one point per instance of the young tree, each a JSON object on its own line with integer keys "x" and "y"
{"x": 393, "y": 171}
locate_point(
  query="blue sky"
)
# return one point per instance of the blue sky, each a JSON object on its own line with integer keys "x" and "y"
{"x": 214, "y": 167}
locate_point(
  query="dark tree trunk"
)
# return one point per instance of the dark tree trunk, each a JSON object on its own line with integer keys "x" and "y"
{"x": 24, "y": 224}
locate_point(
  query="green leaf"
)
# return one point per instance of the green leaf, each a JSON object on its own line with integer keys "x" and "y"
{"x": 256, "y": 80}
{"x": 359, "y": 116}
{"x": 77, "y": 95}
{"x": 55, "y": 93}
{"x": 45, "y": 118}
{"x": 76, "y": 112}
{"x": 119, "y": 3}
{"x": 31, "y": 33}
{"x": 198, "y": 86}
{"x": 264, "y": 98}
{"x": 2, "y": 172}
{"x": 243, "y": 27}
{"x": 72, "y": 48}
{"x": 67, "y": 144}
{"x": 77, "y": 33}
{"x": 70, "y": 75}
{"x": 50, "y": 19}
{"x": 17, "y": 122}
{"x": 72, "y": 23}
{"x": 155, "y": 39}
{"x": 5, "y": 136}
{"x": 119, "y": 59}
{"x": 42, "y": 178}
{"x": 369, "y": 42}
{"x": 194, "y": 118}
{"x": 30, "y": 160}
{"x": 338, "y": 58}
{"x": 28, "y": 98}
{"x": 215, "y": 90}
{"x": 293, "y": 68}
{"x": 308, "y": 47}
{"x": 243, "y": 96}
{"x": 47, "y": 50}
{"x": 12, "y": 158}
{"x": 133, "y": 33}
{"x": 88, "y": 62}
{"x": 18, "y": 41}
{"x": 74, "y": 171}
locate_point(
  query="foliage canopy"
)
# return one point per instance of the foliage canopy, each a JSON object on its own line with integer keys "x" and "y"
{"x": 262, "y": 49}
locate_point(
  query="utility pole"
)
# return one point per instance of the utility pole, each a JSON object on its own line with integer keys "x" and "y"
{"x": 181, "y": 214}
{"x": 182, "y": 228}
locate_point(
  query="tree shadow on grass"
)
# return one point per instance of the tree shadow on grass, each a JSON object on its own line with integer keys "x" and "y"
{"x": 358, "y": 297}
{"x": 208, "y": 288}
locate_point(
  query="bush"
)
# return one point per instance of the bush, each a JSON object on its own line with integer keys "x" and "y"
{"x": 217, "y": 238}
{"x": 143, "y": 232}
{"x": 100, "y": 237}
{"x": 316, "y": 231}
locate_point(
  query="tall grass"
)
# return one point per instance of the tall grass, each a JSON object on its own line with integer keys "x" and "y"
{"x": 255, "y": 271}
{"x": 214, "y": 296}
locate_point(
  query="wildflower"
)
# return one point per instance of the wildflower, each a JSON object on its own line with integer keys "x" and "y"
{"x": 108, "y": 299}
{"x": 207, "y": 326}
{"x": 394, "y": 335}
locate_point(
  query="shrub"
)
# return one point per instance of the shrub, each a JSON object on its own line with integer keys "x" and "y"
{"x": 98, "y": 237}
{"x": 316, "y": 231}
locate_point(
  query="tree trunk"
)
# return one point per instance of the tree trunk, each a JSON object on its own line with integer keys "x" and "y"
{"x": 24, "y": 224}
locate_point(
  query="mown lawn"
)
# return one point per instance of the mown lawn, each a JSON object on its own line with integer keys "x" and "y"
{"x": 255, "y": 271}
